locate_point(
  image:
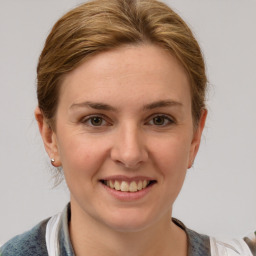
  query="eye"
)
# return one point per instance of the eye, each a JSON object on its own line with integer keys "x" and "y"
{"x": 95, "y": 121}
{"x": 160, "y": 120}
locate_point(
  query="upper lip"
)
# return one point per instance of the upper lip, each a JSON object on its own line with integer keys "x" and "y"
{"x": 126, "y": 178}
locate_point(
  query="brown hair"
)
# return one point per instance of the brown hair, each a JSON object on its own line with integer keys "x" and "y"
{"x": 102, "y": 25}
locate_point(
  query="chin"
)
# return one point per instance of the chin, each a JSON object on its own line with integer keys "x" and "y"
{"x": 128, "y": 227}
{"x": 128, "y": 221}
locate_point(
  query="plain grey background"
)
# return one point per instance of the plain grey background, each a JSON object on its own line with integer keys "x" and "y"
{"x": 219, "y": 194}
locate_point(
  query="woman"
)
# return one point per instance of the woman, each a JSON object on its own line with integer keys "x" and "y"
{"x": 121, "y": 109}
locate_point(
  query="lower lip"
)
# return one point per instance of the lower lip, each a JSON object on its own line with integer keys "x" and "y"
{"x": 128, "y": 196}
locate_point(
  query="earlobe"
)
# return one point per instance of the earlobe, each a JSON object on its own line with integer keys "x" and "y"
{"x": 197, "y": 138}
{"x": 48, "y": 137}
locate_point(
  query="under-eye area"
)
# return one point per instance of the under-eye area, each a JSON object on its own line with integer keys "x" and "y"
{"x": 125, "y": 186}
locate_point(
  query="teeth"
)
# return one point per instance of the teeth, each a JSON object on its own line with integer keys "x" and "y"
{"x": 133, "y": 187}
{"x": 139, "y": 185}
{"x": 124, "y": 186}
{"x": 116, "y": 185}
{"x": 111, "y": 184}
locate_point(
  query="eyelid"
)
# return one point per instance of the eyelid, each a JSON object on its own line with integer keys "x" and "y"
{"x": 166, "y": 116}
{"x": 108, "y": 122}
{"x": 85, "y": 119}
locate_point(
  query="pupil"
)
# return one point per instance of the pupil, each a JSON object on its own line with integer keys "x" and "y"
{"x": 96, "y": 121}
{"x": 159, "y": 120}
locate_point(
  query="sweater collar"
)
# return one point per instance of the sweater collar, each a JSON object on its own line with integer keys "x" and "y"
{"x": 198, "y": 245}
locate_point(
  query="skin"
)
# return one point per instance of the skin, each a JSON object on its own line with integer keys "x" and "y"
{"x": 140, "y": 96}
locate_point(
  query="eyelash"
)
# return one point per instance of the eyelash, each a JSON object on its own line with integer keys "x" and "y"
{"x": 89, "y": 119}
{"x": 166, "y": 118}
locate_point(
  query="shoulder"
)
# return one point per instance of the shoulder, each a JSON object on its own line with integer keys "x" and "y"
{"x": 30, "y": 243}
{"x": 198, "y": 244}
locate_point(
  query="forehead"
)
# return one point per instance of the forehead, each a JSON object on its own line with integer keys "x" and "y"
{"x": 137, "y": 72}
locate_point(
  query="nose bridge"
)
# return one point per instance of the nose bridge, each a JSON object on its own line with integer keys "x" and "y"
{"x": 129, "y": 148}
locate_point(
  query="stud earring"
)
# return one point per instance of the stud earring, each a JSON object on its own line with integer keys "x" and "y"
{"x": 52, "y": 161}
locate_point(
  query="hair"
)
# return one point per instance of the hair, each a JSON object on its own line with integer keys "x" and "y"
{"x": 102, "y": 25}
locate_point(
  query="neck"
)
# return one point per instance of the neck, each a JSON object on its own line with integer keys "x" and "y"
{"x": 89, "y": 237}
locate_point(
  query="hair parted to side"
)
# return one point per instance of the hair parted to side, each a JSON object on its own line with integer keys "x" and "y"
{"x": 101, "y": 25}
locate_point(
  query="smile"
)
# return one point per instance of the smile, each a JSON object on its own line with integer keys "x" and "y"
{"x": 125, "y": 186}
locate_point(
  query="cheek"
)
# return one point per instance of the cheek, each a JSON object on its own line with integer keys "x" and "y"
{"x": 171, "y": 158}
{"x": 172, "y": 154}
{"x": 81, "y": 156}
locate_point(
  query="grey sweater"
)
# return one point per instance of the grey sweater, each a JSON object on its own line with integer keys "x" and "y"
{"x": 32, "y": 242}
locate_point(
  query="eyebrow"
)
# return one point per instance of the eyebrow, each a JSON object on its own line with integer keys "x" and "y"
{"x": 103, "y": 106}
{"x": 161, "y": 104}
{"x": 93, "y": 105}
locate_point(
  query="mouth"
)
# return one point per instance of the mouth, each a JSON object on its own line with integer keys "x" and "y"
{"x": 128, "y": 186}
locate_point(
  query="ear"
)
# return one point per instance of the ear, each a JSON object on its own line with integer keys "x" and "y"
{"x": 197, "y": 138}
{"x": 48, "y": 136}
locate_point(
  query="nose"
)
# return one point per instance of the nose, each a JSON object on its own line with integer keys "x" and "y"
{"x": 129, "y": 147}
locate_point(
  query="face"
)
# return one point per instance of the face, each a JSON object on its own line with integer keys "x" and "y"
{"x": 124, "y": 136}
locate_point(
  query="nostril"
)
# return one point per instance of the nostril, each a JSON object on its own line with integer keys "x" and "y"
{"x": 130, "y": 164}
{"x": 128, "y": 152}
